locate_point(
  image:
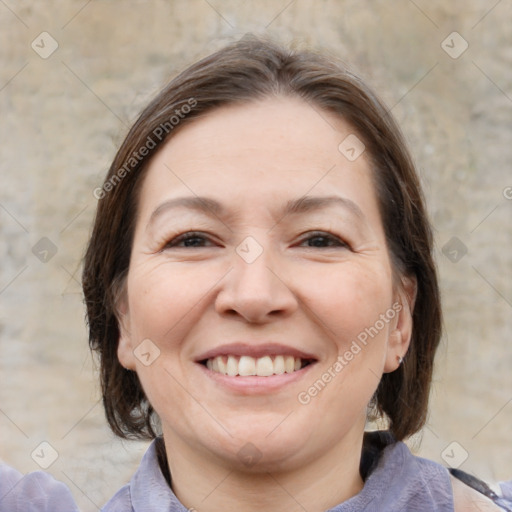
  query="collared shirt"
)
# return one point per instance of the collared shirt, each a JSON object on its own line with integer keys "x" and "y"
{"x": 400, "y": 481}
{"x": 397, "y": 481}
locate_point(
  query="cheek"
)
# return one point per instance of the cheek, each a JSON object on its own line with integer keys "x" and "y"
{"x": 164, "y": 297}
{"x": 347, "y": 300}
{"x": 163, "y": 303}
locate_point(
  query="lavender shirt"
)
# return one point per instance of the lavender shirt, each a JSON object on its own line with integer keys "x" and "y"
{"x": 34, "y": 492}
{"x": 400, "y": 482}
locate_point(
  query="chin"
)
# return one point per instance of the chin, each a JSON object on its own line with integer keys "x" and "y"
{"x": 256, "y": 450}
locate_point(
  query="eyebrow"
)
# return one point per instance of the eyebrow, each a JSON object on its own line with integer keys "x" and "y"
{"x": 310, "y": 203}
{"x": 212, "y": 207}
{"x": 199, "y": 204}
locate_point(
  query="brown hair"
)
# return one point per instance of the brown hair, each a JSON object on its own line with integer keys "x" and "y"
{"x": 250, "y": 69}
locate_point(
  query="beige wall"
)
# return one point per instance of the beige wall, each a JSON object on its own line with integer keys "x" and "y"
{"x": 61, "y": 118}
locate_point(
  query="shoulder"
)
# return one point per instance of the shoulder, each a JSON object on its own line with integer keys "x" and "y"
{"x": 400, "y": 480}
{"x": 120, "y": 502}
{"x": 33, "y": 491}
{"x": 9, "y": 477}
{"x": 147, "y": 490}
{"x": 467, "y": 499}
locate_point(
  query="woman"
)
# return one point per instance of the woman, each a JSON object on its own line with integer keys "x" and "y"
{"x": 259, "y": 282}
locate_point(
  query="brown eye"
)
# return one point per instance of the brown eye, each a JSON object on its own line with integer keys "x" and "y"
{"x": 189, "y": 240}
{"x": 322, "y": 240}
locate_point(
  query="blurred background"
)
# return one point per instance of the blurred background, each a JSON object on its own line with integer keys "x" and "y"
{"x": 73, "y": 76}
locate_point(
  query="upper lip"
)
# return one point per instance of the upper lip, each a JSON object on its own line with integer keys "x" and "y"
{"x": 255, "y": 350}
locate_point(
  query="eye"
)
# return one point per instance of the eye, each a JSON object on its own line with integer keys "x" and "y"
{"x": 321, "y": 239}
{"x": 191, "y": 239}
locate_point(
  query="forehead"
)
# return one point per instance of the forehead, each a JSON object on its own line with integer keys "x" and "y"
{"x": 270, "y": 151}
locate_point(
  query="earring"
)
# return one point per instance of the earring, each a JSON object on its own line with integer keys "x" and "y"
{"x": 400, "y": 360}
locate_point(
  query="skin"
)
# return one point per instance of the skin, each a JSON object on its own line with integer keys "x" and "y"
{"x": 313, "y": 294}
{"x": 468, "y": 500}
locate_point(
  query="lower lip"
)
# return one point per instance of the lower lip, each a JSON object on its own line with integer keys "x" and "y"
{"x": 254, "y": 385}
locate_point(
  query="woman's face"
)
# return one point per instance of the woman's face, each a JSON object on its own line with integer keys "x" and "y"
{"x": 260, "y": 309}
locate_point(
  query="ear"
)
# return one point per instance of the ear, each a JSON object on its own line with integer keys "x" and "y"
{"x": 401, "y": 326}
{"x": 124, "y": 346}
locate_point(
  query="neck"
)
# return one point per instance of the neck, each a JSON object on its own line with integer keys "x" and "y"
{"x": 204, "y": 485}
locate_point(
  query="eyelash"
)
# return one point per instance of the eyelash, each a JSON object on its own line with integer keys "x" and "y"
{"x": 190, "y": 235}
{"x": 327, "y": 236}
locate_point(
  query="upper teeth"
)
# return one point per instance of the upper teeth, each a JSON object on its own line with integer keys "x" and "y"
{"x": 247, "y": 365}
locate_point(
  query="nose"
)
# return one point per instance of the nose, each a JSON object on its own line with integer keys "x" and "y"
{"x": 256, "y": 291}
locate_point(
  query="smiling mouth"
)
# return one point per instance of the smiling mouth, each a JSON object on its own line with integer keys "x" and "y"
{"x": 246, "y": 366}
